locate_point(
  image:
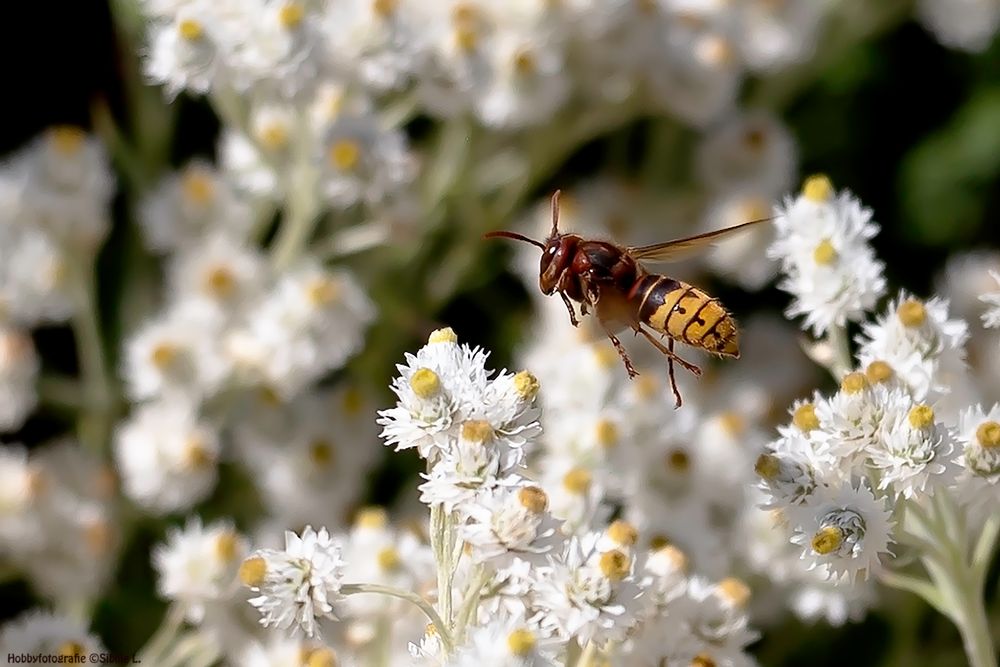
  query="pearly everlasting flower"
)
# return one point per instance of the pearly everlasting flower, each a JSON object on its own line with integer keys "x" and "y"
{"x": 176, "y": 354}
{"x": 748, "y": 152}
{"x": 198, "y": 564}
{"x": 828, "y": 265}
{"x": 742, "y": 259}
{"x": 979, "y": 434}
{"x": 588, "y": 594}
{"x": 446, "y": 386}
{"x": 991, "y": 318}
{"x": 775, "y": 35}
{"x": 787, "y": 476}
{"x": 914, "y": 454}
{"x": 19, "y": 366}
{"x": 43, "y": 633}
{"x": 715, "y": 613}
{"x": 35, "y": 285}
{"x": 281, "y": 651}
{"x": 507, "y": 641}
{"x": 22, "y": 487}
{"x": 221, "y": 273}
{"x": 184, "y": 49}
{"x": 848, "y": 530}
{"x": 166, "y": 456}
{"x": 916, "y": 338}
{"x": 968, "y": 25}
{"x": 511, "y": 522}
{"x": 185, "y": 207}
{"x": 297, "y": 585}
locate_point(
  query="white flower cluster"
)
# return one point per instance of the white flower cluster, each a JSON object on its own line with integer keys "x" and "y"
{"x": 58, "y": 519}
{"x": 510, "y": 64}
{"x": 232, "y": 326}
{"x": 826, "y": 261}
{"x": 515, "y": 585}
{"x": 54, "y": 199}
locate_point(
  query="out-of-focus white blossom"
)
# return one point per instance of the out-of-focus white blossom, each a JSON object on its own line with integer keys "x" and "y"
{"x": 968, "y": 25}
{"x": 991, "y": 318}
{"x": 44, "y": 633}
{"x": 19, "y": 366}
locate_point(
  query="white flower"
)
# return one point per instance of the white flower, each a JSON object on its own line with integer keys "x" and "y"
{"x": 308, "y": 324}
{"x": 360, "y": 162}
{"x": 991, "y": 318}
{"x": 166, "y": 456}
{"x": 588, "y": 594}
{"x": 19, "y": 367}
{"x": 507, "y": 641}
{"x": 446, "y": 386}
{"x": 968, "y": 25}
{"x": 185, "y": 207}
{"x": 979, "y": 433}
{"x": 919, "y": 342}
{"x": 281, "y": 651}
{"x": 198, "y": 564}
{"x": 748, "y": 152}
{"x": 829, "y": 267}
{"x": 222, "y": 272}
{"x": 42, "y": 633}
{"x": 787, "y": 476}
{"x": 22, "y": 487}
{"x": 742, "y": 258}
{"x": 298, "y": 585}
{"x": 575, "y": 495}
{"x": 177, "y": 354}
{"x": 35, "y": 285}
{"x": 247, "y": 166}
{"x": 849, "y": 530}
{"x": 183, "y": 50}
{"x": 775, "y": 35}
{"x": 715, "y": 613}
{"x": 510, "y": 522}
{"x": 379, "y": 43}
{"x": 817, "y": 597}
{"x": 914, "y": 454}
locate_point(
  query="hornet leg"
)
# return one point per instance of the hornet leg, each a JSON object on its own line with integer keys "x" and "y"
{"x": 623, "y": 354}
{"x": 671, "y": 358}
{"x": 569, "y": 307}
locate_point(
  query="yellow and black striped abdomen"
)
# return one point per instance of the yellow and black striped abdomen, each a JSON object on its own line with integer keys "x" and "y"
{"x": 686, "y": 314}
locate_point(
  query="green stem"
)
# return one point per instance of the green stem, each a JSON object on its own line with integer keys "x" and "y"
{"x": 298, "y": 223}
{"x": 472, "y": 596}
{"x": 443, "y": 630}
{"x": 164, "y": 637}
{"x": 94, "y": 425}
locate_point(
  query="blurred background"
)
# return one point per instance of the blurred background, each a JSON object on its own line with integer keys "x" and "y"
{"x": 909, "y": 125}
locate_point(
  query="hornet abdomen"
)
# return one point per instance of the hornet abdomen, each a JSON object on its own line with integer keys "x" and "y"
{"x": 686, "y": 314}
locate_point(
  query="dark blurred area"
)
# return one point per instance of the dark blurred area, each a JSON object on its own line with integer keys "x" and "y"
{"x": 912, "y": 128}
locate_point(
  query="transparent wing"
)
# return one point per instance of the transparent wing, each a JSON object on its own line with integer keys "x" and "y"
{"x": 678, "y": 249}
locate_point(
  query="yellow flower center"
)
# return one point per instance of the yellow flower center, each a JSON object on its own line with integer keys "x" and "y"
{"x": 623, "y": 533}
{"x": 659, "y": 542}
{"x": 345, "y": 154}
{"x": 190, "y": 30}
{"x": 446, "y": 335}
{"x": 817, "y": 188}
{"x": 879, "y": 371}
{"x": 196, "y": 454}
{"x": 606, "y": 432}
{"x": 353, "y": 400}
{"x": 526, "y": 385}
{"x": 911, "y": 313}
{"x": 371, "y": 517}
{"x": 702, "y": 660}
{"x": 735, "y": 591}
{"x": 524, "y": 62}
{"x": 198, "y": 186}
{"x": 225, "y": 546}
{"x": 388, "y": 559}
{"x": 67, "y": 139}
{"x": 220, "y": 282}
{"x": 323, "y": 291}
{"x": 163, "y": 355}
{"x": 647, "y": 386}
{"x": 827, "y": 540}
{"x": 97, "y": 535}
{"x": 320, "y": 657}
{"x": 988, "y": 434}
{"x": 477, "y": 430}
{"x": 733, "y": 423}
{"x": 384, "y": 8}
{"x": 921, "y": 416}
{"x": 678, "y": 460}
{"x": 805, "y": 418}
{"x": 767, "y": 466}
{"x": 273, "y": 136}
{"x": 614, "y": 565}
{"x": 533, "y": 499}
{"x": 291, "y": 14}
{"x": 252, "y": 571}
{"x": 606, "y": 356}
{"x": 321, "y": 453}
{"x": 714, "y": 50}
{"x": 466, "y": 37}
{"x": 521, "y": 642}
{"x": 577, "y": 481}
{"x": 825, "y": 254}
{"x": 425, "y": 383}
{"x": 853, "y": 383}
{"x": 674, "y": 555}
{"x": 71, "y": 649}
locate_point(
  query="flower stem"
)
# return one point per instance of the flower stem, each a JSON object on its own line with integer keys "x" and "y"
{"x": 588, "y": 655}
{"x": 841, "y": 362}
{"x": 164, "y": 637}
{"x": 443, "y": 630}
{"x": 298, "y": 221}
